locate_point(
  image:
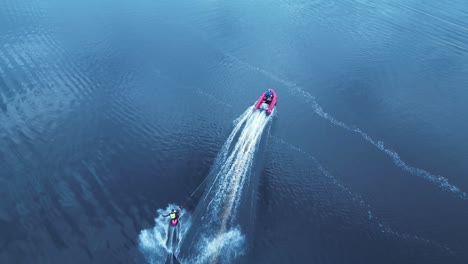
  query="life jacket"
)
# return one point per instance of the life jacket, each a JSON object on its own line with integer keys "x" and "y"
{"x": 172, "y": 215}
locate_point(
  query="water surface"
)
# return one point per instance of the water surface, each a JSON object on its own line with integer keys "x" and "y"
{"x": 110, "y": 110}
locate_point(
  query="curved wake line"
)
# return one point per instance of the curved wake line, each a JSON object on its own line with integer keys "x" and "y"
{"x": 440, "y": 181}
{"x": 360, "y": 201}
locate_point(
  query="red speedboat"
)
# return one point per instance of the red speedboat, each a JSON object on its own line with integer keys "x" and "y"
{"x": 269, "y": 98}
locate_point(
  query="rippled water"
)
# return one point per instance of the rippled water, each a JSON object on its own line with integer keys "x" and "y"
{"x": 110, "y": 110}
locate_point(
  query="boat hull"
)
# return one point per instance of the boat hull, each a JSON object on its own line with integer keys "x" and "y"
{"x": 271, "y": 105}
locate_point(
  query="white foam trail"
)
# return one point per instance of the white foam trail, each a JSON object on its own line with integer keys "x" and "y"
{"x": 219, "y": 239}
{"x": 440, "y": 181}
{"x": 237, "y": 165}
{"x": 162, "y": 241}
{"x": 221, "y": 159}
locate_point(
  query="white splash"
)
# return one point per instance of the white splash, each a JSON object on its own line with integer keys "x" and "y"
{"x": 161, "y": 242}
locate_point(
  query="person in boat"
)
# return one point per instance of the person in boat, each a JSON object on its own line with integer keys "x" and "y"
{"x": 268, "y": 96}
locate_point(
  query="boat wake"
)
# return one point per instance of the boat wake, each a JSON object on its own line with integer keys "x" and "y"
{"x": 218, "y": 236}
{"x": 438, "y": 180}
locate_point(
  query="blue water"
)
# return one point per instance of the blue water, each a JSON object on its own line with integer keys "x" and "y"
{"x": 111, "y": 112}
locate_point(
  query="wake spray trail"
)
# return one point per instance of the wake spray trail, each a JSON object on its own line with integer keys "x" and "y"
{"x": 218, "y": 237}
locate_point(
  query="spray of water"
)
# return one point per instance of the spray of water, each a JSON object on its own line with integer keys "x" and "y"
{"x": 161, "y": 243}
{"x": 218, "y": 237}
